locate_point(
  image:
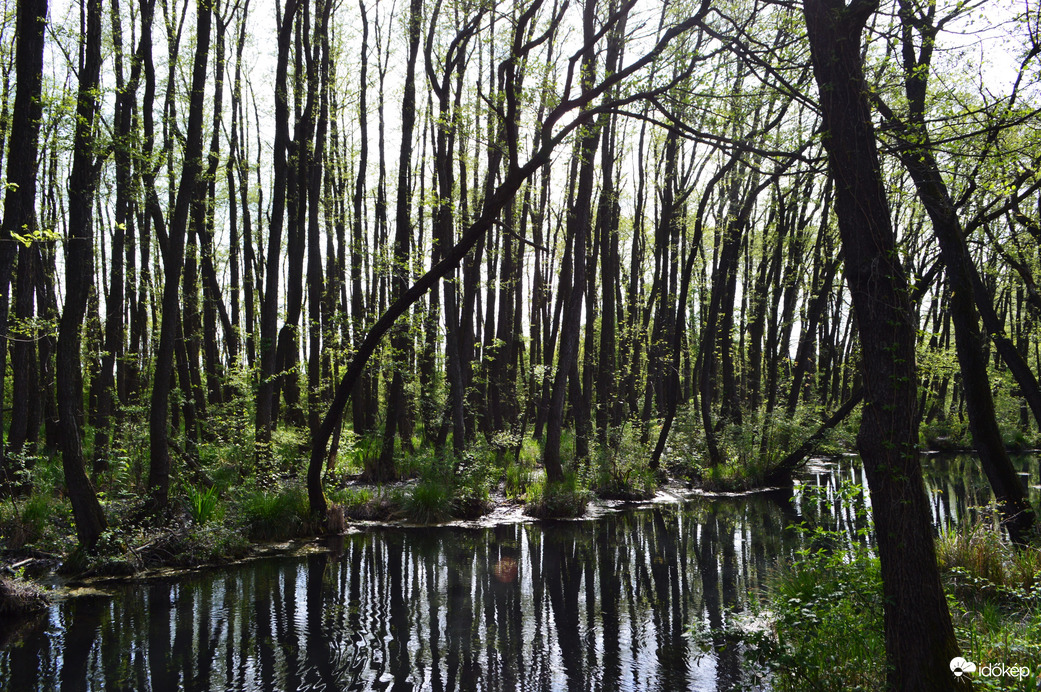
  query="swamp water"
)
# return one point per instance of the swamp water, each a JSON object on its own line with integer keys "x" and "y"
{"x": 601, "y": 604}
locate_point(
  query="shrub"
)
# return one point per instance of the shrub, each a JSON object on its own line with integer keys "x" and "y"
{"x": 35, "y": 513}
{"x": 25, "y": 522}
{"x": 827, "y": 613}
{"x": 829, "y": 623}
{"x": 995, "y": 599}
{"x": 620, "y": 471}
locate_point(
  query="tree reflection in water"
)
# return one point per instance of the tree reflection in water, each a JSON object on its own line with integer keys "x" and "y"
{"x": 593, "y": 605}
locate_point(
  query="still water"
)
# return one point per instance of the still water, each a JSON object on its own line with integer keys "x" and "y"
{"x": 601, "y": 604}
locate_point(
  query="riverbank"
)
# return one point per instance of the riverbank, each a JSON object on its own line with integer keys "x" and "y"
{"x": 224, "y": 523}
{"x": 182, "y": 540}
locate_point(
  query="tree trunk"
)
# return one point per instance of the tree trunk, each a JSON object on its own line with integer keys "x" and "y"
{"x": 916, "y": 153}
{"x": 173, "y": 260}
{"x": 578, "y": 224}
{"x": 79, "y": 275}
{"x": 19, "y": 212}
{"x": 397, "y": 419}
{"x": 920, "y": 641}
{"x": 267, "y": 391}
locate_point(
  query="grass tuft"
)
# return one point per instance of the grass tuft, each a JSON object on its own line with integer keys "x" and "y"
{"x": 430, "y": 502}
{"x": 564, "y": 500}
{"x": 277, "y": 514}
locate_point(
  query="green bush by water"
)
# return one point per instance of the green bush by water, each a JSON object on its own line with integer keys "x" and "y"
{"x": 827, "y": 618}
{"x": 994, "y": 593}
{"x": 829, "y": 624}
{"x": 429, "y": 502}
{"x": 447, "y": 488}
{"x": 619, "y": 469}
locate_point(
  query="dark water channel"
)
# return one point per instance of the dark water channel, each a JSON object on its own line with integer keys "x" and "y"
{"x": 602, "y": 604}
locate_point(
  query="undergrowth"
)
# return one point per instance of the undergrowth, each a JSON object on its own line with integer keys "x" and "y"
{"x": 826, "y": 614}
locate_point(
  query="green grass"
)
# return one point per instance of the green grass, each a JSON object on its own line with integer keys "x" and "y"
{"x": 276, "y": 514}
{"x": 516, "y": 483}
{"x": 994, "y": 593}
{"x": 202, "y": 502}
{"x": 431, "y": 501}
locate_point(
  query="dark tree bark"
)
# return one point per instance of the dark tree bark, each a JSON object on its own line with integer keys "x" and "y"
{"x": 919, "y": 636}
{"x": 680, "y": 320}
{"x": 267, "y": 391}
{"x": 237, "y": 165}
{"x": 172, "y": 244}
{"x": 363, "y": 412}
{"x": 79, "y": 275}
{"x": 315, "y": 172}
{"x": 119, "y": 283}
{"x": 19, "y": 202}
{"x": 443, "y": 231}
{"x": 578, "y": 225}
{"x": 299, "y": 151}
{"x": 397, "y": 418}
{"x": 213, "y": 308}
{"x": 140, "y": 334}
{"x": 26, "y": 403}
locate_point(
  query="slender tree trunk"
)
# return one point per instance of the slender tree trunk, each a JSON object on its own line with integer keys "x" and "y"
{"x": 19, "y": 215}
{"x": 126, "y": 93}
{"x": 397, "y": 413}
{"x": 315, "y": 285}
{"x": 916, "y": 153}
{"x": 267, "y": 391}
{"x": 173, "y": 261}
{"x": 79, "y": 275}
{"x": 578, "y": 225}
{"x": 363, "y": 414}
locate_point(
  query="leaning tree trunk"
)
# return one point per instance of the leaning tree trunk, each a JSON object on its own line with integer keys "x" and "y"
{"x": 917, "y": 154}
{"x": 919, "y": 636}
